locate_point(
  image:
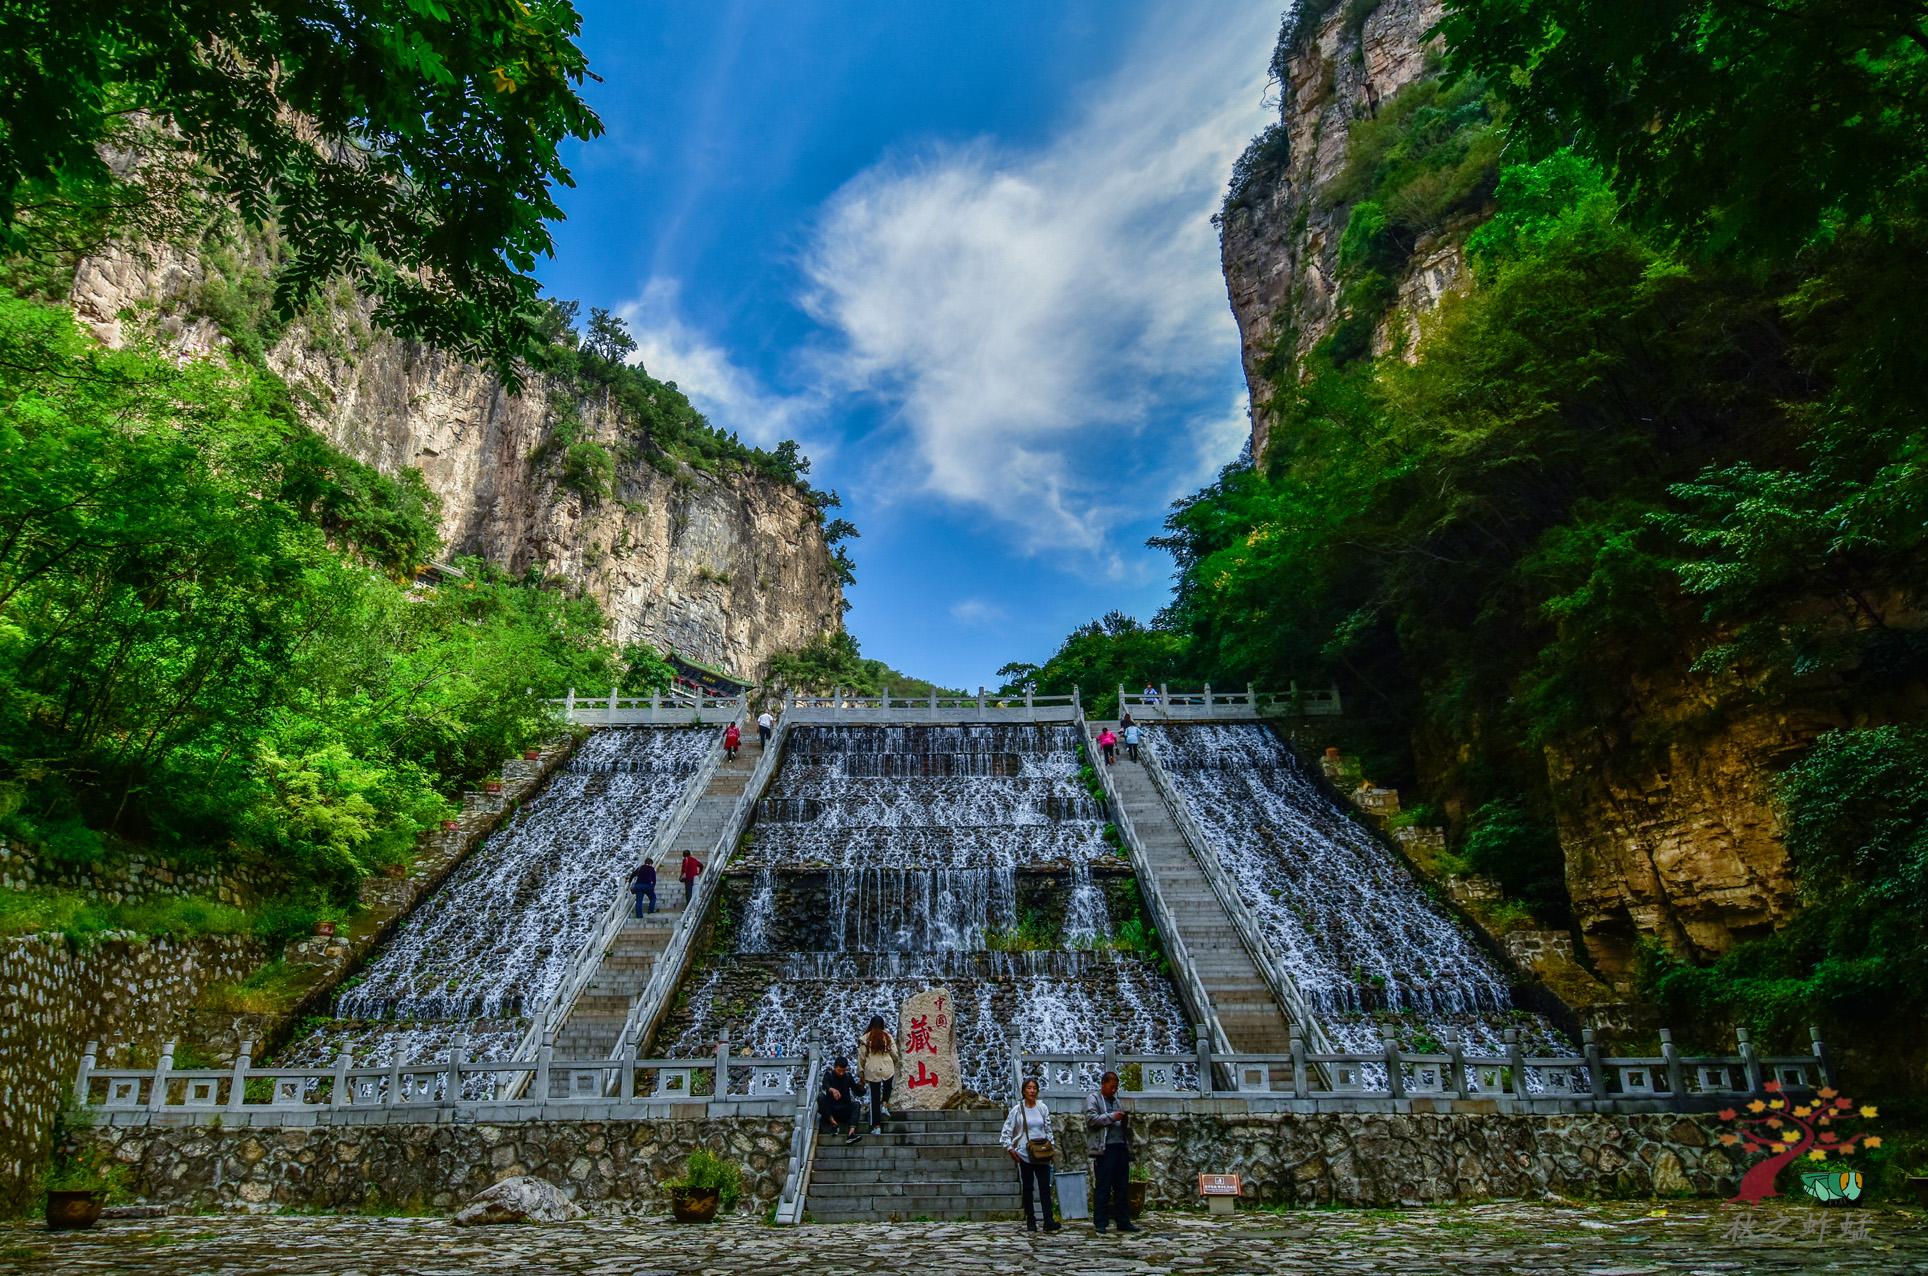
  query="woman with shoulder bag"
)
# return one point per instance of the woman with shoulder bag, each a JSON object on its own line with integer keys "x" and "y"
{"x": 1027, "y": 1137}
{"x": 878, "y": 1063}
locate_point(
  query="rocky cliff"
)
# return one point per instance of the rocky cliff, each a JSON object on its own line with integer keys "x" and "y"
{"x": 724, "y": 568}
{"x": 1664, "y": 815}
{"x": 1279, "y": 234}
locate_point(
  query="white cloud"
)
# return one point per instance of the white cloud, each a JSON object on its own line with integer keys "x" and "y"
{"x": 1026, "y": 313}
{"x": 977, "y": 612}
{"x": 731, "y": 397}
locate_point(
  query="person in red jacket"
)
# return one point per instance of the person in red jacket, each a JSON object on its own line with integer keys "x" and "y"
{"x": 731, "y": 739}
{"x": 691, "y": 867}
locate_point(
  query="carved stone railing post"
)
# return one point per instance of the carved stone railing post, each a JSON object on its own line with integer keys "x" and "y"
{"x": 720, "y": 1089}
{"x": 338, "y": 1095}
{"x": 1822, "y": 1059}
{"x": 87, "y": 1058}
{"x": 157, "y": 1097}
{"x": 626, "y": 1084}
{"x": 395, "y": 1078}
{"x": 1750, "y": 1062}
{"x": 1672, "y": 1056}
{"x": 457, "y": 1048}
{"x": 238, "y": 1085}
{"x": 1202, "y": 1043}
{"x": 1596, "y": 1075}
{"x": 544, "y": 1058}
{"x": 1456, "y": 1051}
{"x": 1301, "y": 1081}
{"x": 569, "y": 705}
{"x": 1515, "y": 1060}
{"x": 1395, "y": 1074}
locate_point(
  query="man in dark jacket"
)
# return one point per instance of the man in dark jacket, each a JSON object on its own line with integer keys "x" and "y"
{"x": 837, "y": 1099}
{"x": 643, "y": 882}
{"x": 1108, "y": 1136}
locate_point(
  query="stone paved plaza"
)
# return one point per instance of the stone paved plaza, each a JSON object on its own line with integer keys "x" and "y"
{"x": 1585, "y": 1240}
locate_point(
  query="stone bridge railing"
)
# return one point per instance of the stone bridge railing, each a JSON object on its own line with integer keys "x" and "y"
{"x": 672, "y": 708}
{"x": 885, "y": 707}
{"x": 1162, "y": 704}
{"x": 1393, "y": 1079}
{"x": 453, "y": 1090}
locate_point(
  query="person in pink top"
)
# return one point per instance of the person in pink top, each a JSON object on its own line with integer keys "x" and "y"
{"x": 1108, "y": 745}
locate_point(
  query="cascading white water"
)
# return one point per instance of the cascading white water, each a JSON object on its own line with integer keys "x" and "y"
{"x": 1343, "y": 915}
{"x": 491, "y": 946}
{"x": 919, "y": 839}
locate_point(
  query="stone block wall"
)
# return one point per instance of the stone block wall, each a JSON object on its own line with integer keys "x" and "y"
{"x": 134, "y": 877}
{"x": 1413, "y": 1158}
{"x": 55, "y": 997}
{"x": 620, "y": 1166}
{"x": 608, "y": 1166}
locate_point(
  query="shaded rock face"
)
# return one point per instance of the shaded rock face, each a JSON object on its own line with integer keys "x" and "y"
{"x": 725, "y": 569}
{"x": 1670, "y": 832}
{"x": 1280, "y": 248}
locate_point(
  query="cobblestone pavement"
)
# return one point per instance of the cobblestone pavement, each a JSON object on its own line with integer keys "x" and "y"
{"x": 1517, "y": 1239}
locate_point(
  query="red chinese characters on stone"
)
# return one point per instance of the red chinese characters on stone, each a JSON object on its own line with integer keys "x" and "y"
{"x": 922, "y": 1077}
{"x": 919, "y": 1039}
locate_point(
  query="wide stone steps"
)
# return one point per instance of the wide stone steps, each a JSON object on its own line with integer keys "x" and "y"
{"x": 591, "y": 1029}
{"x": 937, "y": 1165}
{"x": 1239, "y": 994}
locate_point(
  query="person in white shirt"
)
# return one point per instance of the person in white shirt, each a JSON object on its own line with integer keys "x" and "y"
{"x": 765, "y": 724}
{"x": 1027, "y": 1132}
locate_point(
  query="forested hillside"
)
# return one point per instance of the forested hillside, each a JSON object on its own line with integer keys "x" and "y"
{"x": 1650, "y": 479}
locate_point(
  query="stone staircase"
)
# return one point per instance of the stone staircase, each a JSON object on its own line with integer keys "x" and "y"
{"x": 592, "y": 1027}
{"x": 1242, "y": 999}
{"x": 937, "y": 1165}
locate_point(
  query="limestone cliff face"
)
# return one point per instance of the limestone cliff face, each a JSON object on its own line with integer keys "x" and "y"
{"x": 1280, "y": 242}
{"x": 725, "y": 569}
{"x": 1665, "y": 815}
{"x": 1669, "y": 828}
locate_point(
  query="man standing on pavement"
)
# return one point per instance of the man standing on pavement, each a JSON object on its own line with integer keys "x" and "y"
{"x": 765, "y": 724}
{"x": 1108, "y": 1136}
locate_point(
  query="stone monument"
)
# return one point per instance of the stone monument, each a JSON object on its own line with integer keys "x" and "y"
{"x": 924, "y": 1035}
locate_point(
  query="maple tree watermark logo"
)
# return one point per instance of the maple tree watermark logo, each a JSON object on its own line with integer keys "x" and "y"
{"x": 1789, "y": 1131}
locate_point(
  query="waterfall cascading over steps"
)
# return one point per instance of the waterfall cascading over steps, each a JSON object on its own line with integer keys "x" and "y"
{"x": 490, "y": 947}
{"x": 911, "y": 853}
{"x": 1343, "y": 915}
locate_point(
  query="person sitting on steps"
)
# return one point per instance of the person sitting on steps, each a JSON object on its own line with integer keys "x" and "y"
{"x": 837, "y": 1100}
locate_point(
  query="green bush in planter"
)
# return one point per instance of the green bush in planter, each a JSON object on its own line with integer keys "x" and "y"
{"x": 705, "y": 1169}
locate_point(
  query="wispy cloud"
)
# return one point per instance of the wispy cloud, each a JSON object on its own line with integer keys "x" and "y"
{"x": 1025, "y": 313}
{"x": 977, "y": 612}
{"x": 731, "y": 396}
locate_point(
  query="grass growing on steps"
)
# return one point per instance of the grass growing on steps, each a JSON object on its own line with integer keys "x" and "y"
{"x": 83, "y": 919}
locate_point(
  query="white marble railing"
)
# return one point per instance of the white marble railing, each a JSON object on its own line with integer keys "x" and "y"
{"x": 1162, "y": 704}
{"x": 674, "y": 707}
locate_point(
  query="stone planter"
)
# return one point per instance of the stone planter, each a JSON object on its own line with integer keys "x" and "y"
{"x": 1135, "y": 1196}
{"x": 449, "y": 826}
{"x": 532, "y": 755}
{"x": 325, "y": 929}
{"x": 492, "y": 786}
{"x": 693, "y": 1204}
{"x": 74, "y": 1210}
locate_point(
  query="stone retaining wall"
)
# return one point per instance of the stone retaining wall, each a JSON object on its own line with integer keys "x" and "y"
{"x": 133, "y": 877}
{"x": 1330, "y": 1158}
{"x": 606, "y": 1165}
{"x": 55, "y": 997}
{"x": 1412, "y": 1158}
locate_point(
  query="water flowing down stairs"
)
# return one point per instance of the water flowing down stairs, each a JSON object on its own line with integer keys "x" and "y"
{"x": 1240, "y": 996}
{"x": 592, "y": 1027}
{"x": 938, "y": 1165}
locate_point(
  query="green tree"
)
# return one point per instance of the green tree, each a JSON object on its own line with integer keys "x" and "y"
{"x": 410, "y": 145}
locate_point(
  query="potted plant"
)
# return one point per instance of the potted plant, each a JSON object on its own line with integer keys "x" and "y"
{"x": 492, "y": 786}
{"x": 707, "y": 1181}
{"x": 79, "y": 1179}
{"x": 1136, "y": 1188}
{"x": 532, "y": 755}
{"x": 325, "y": 928}
{"x": 449, "y": 826}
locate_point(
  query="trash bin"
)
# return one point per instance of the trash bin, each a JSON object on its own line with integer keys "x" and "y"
{"x": 1074, "y": 1194}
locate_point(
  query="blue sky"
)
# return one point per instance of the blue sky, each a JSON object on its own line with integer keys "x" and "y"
{"x": 962, "y": 252}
